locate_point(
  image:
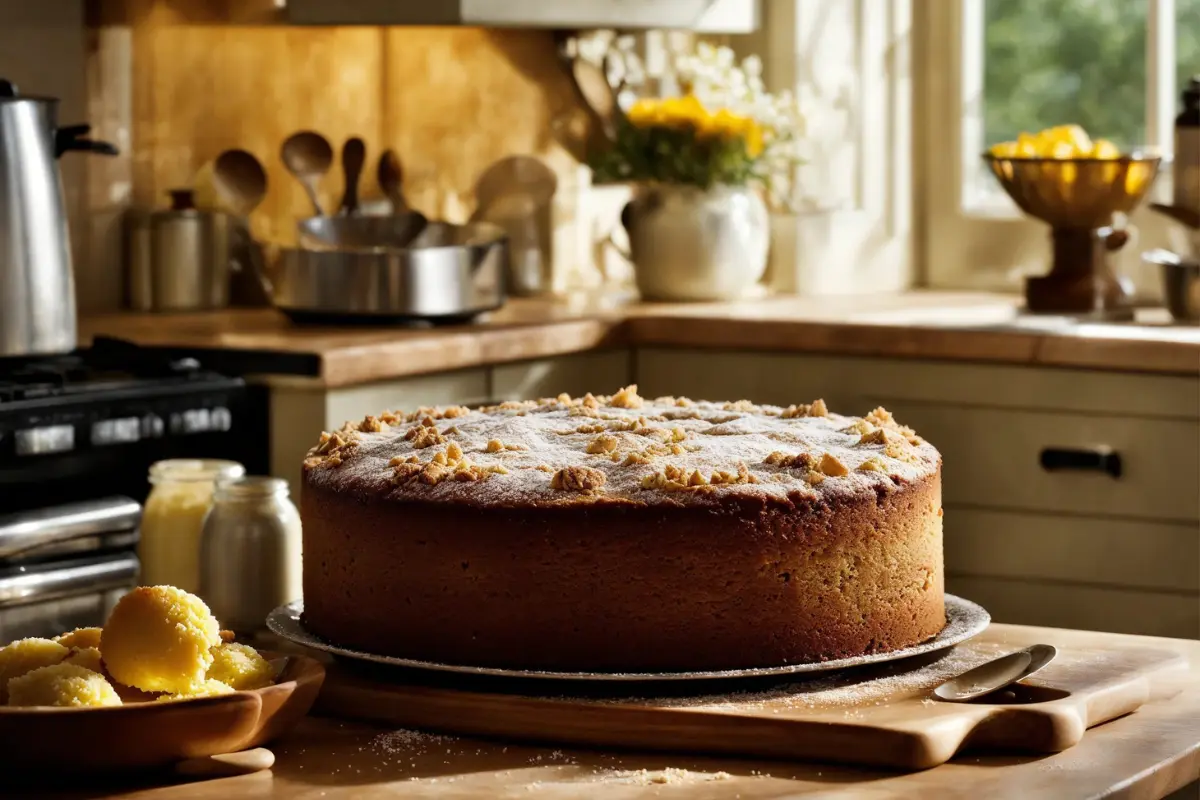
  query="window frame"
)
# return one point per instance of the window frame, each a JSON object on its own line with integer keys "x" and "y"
{"x": 983, "y": 242}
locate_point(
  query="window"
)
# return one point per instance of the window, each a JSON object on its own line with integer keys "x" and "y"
{"x": 999, "y": 67}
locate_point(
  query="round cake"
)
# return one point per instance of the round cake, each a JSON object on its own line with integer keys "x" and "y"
{"x": 621, "y": 534}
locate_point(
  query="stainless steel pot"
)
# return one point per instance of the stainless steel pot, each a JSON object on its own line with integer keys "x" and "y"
{"x": 37, "y": 288}
{"x": 361, "y": 233}
{"x": 180, "y": 258}
{"x": 1181, "y": 283}
{"x": 449, "y": 273}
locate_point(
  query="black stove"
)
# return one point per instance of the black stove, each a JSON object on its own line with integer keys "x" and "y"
{"x": 91, "y": 423}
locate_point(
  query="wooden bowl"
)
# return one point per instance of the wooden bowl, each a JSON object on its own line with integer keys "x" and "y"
{"x": 154, "y": 734}
{"x": 1075, "y": 192}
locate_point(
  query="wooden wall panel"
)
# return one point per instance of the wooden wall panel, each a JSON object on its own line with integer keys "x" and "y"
{"x": 458, "y": 99}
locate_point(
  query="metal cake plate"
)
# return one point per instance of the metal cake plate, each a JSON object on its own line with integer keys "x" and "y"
{"x": 964, "y": 620}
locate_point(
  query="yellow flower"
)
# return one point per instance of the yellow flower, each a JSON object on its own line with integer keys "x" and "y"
{"x": 728, "y": 125}
{"x": 688, "y": 112}
{"x": 671, "y": 112}
{"x": 644, "y": 112}
{"x": 755, "y": 140}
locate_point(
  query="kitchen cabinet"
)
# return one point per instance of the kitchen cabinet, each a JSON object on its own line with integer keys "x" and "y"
{"x": 300, "y": 410}
{"x": 602, "y": 371}
{"x": 1077, "y": 549}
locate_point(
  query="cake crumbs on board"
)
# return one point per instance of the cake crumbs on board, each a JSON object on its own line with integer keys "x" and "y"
{"x": 408, "y": 741}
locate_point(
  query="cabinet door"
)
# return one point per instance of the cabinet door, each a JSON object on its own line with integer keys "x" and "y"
{"x": 854, "y": 384}
{"x": 1065, "y": 548}
{"x": 1096, "y": 608}
{"x": 1032, "y": 460}
{"x": 300, "y": 412}
{"x": 776, "y": 378}
{"x": 603, "y": 372}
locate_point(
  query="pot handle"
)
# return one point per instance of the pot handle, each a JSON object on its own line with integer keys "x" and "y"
{"x": 252, "y": 259}
{"x": 8, "y": 89}
{"x": 71, "y": 138}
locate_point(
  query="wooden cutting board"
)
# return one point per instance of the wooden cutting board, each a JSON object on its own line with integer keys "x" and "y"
{"x": 881, "y": 716}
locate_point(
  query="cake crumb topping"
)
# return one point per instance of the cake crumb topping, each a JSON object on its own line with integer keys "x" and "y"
{"x": 577, "y": 479}
{"x": 425, "y": 434}
{"x": 625, "y": 450}
{"x": 627, "y": 398}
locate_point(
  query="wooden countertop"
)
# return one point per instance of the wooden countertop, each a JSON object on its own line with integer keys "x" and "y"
{"x": 931, "y": 325}
{"x": 1147, "y": 754}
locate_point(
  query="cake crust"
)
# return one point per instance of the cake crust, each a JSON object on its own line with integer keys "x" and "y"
{"x": 768, "y": 536}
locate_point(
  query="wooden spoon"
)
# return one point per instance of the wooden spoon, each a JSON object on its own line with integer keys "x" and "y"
{"x": 591, "y": 81}
{"x": 354, "y": 153}
{"x": 391, "y": 180}
{"x": 240, "y": 181}
{"x": 308, "y": 156}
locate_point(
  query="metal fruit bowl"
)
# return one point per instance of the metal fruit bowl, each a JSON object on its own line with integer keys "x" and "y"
{"x": 1075, "y": 192}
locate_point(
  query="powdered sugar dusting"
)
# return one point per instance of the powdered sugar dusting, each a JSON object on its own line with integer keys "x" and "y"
{"x": 850, "y": 689}
{"x": 531, "y": 441}
{"x": 650, "y": 777}
{"x": 408, "y": 741}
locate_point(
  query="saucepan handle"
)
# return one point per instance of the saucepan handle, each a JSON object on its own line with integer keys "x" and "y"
{"x": 251, "y": 258}
{"x": 71, "y": 138}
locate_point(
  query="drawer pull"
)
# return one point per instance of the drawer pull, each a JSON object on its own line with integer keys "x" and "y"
{"x": 1094, "y": 459}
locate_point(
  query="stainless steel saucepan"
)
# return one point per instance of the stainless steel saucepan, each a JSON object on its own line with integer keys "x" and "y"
{"x": 447, "y": 273}
{"x": 361, "y": 233}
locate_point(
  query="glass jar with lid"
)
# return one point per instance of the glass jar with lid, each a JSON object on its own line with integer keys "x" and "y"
{"x": 250, "y": 552}
{"x": 173, "y": 517}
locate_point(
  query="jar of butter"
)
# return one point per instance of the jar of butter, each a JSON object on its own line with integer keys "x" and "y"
{"x": 169, "y": 548}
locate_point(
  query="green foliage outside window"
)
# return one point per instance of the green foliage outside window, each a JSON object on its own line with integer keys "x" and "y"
{"x": 1052, "y": 62}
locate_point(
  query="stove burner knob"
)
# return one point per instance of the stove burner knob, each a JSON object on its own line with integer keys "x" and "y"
{"x": 220, "y": 419}
{"x": 152, "y": 426}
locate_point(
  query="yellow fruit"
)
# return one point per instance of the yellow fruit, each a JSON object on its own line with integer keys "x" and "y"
{"x": 1061, "y": 149}
{"x": 26, "y": 655}
{"x": 1076, "y": 137}
{"x": 1027, "y": 145}
{"x": 241, "y": 667}
{"x": 1102, "y": 148}
{"x": 80, "y": 637}
{"x": 62, "y": 685}
{"x": 206, "y": 689}
{"x": 158, "y": 639}
{"x": 86, "y": 657}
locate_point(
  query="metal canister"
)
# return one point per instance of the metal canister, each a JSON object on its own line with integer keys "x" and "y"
{"x": 250, "y": 552}
{"x": 179, "y": 258}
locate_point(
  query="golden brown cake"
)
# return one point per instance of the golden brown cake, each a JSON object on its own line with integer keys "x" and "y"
{"x": 623, "y": 534}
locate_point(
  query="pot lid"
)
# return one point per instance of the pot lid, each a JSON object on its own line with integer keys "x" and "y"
{"x": 9, "y": 93}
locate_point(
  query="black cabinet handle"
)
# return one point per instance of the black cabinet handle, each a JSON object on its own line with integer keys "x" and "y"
{"x": 1085, "y": 459}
